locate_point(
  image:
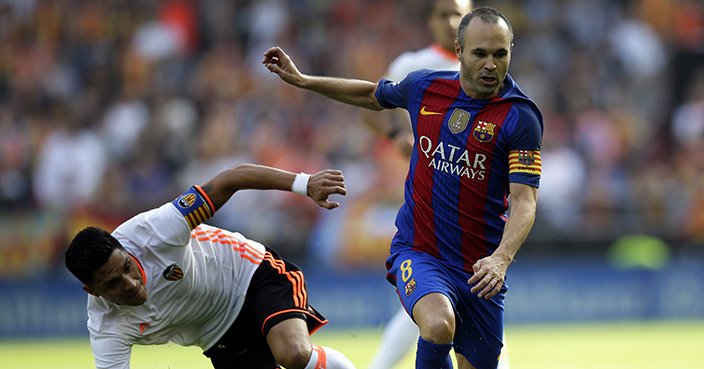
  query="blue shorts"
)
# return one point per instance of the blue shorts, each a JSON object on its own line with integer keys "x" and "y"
{"x": 479, "y": 322}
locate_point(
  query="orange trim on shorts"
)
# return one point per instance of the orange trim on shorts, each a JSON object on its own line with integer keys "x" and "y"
{"x": 322, "y": 322}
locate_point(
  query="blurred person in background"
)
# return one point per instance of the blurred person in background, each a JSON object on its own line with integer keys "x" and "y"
{"x": 687, "y": 131}
{"x": 164, "y": 276}
{"x": 72, "y": 160}
{"x": 442, "y": 17}
{"x": 455, "y": 241}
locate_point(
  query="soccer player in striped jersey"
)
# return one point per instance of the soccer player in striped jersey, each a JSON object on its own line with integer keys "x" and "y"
{"x": 476, "y": 141}
{"x": 443, "y": 19}
{"x": 164, "y": 276}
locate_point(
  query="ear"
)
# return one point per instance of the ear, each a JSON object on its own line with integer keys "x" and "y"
{"x": 458, "y": 50}
{"x": 90, "y": 291}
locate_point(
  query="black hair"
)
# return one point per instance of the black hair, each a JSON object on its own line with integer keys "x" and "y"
{"x": 485, "y": 13}
{"x": 89, "y": 250}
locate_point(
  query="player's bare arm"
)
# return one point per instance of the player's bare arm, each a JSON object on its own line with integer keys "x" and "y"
{"x": 349, "y": 91}
{"x": 258, "y": 177}
{"x": 490, "y": 272}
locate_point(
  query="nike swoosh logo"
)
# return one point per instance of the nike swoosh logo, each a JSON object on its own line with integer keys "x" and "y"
{"x": 424, "y": 112}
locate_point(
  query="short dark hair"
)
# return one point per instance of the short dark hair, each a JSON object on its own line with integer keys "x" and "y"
{"x": 485, "y": 13}
{"x": 89, "y": 250}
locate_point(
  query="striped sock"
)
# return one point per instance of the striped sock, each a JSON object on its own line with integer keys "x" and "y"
{"x": 327, "y": 358}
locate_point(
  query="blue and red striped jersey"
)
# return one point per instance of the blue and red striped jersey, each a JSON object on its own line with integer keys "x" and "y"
{"x": 466, "y": 152}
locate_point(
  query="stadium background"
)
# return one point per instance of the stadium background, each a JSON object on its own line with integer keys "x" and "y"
{"x": 108, "y": 108}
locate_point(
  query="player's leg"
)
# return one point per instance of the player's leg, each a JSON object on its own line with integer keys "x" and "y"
{"x": 462, "y": 363}
{"x": 243, "y": 345}
{"x": 426, "y": 289}
{"x": 290, "y": 343}
{"x": 286, "y": 319}
{"x": 435, "y": 317}
{"x": 478, "y": 339}
{"x": 399, "y": 337}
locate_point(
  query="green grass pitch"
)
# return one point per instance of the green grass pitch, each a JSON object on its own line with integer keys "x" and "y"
{"x": 620, "y": 345}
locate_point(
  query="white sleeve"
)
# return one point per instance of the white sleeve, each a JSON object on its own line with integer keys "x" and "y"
{"x": 110, "y": 352}
{"x": 163, "y": 224}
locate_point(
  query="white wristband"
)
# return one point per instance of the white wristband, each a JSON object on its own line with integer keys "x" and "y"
{"x": 300, "y": 184}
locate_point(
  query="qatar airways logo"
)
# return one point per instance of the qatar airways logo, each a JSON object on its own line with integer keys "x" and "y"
{"x": 453, "y": 159}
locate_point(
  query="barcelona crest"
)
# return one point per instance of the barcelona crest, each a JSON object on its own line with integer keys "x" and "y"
{"x": 458, "y": 121}
{"x": 524, "y": 161}
{"x": 484, "y": 131}
{"x": 526, "y": 157}
{"x": 410, "y": 287}
{"x": 173, "y": 273}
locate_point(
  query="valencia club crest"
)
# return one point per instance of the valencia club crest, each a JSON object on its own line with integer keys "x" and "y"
{"x": 173, "y": 273}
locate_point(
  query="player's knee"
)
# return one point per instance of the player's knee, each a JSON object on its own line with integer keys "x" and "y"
{"x": 294, "y": 356}
{"x": 438, "y": 330}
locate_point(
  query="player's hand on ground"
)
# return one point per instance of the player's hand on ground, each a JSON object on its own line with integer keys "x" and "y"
{"x": 276, "y": 60}
{"x": 325, "y": 183}
{"x": 489, "y": 275}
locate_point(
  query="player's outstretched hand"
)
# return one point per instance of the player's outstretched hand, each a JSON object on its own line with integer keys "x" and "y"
{"x": 276, "y": 60}
{"x": 489, "y": 276}
{"x": 325, "y": 183}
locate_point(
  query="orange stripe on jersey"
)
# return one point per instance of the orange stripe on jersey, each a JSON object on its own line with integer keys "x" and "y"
{"x": 245, "y": 256}
{"x": 524, "y": 161}
{"x": 245, "y": 250}
{"x": 248, "y": 252}
{"x": 322, "y": 358}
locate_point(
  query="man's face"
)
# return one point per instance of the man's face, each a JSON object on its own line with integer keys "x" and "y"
{"x": 119, "y": 281}
{"x": 444, "y": 20}
{"x": 485, "y": 59}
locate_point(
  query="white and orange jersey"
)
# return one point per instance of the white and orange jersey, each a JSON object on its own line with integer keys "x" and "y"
{"x": 196, "y": 277}
{"x": 433, "y": 57}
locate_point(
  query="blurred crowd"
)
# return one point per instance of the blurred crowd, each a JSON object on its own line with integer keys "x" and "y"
{"x": 109, "y": 108}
